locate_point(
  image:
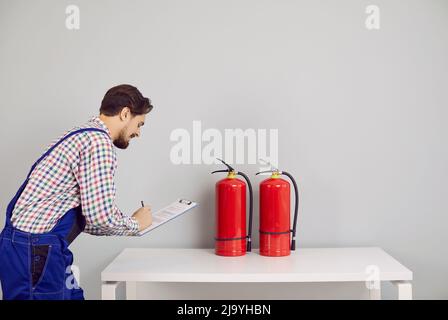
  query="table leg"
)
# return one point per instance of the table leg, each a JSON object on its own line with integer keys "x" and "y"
{"x": 131, "y": 290}
{"x": 109, "y": 290}
{"x": 404, "y": 289}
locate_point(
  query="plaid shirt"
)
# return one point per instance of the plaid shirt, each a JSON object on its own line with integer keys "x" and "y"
{"x": 80, "y": 171}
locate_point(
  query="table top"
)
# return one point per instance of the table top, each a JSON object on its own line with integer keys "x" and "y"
{"x": 303, "y": 265}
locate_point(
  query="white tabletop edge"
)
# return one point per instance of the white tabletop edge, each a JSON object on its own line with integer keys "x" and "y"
{"x": 111, "y": 275}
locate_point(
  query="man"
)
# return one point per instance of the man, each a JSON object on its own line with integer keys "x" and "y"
{"x": 70, "y": 189}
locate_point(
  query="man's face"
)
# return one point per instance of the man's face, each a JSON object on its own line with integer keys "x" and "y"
{"x": 129, "y": 131}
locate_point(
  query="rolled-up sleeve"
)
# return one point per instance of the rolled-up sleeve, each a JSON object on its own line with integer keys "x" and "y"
{"x": 95, "y": 177}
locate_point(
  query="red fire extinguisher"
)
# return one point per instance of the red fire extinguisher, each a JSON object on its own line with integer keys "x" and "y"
{"x": 230, "y": 214}
{"x": 275, "y": 221}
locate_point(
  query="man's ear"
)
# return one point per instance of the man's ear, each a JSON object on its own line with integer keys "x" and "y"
{"x": 125, "y": 114}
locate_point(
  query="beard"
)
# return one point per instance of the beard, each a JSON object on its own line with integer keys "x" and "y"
{"x": 122, "y": 142}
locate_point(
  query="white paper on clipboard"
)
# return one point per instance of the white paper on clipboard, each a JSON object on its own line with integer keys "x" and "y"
{"x": 175, "y": 209}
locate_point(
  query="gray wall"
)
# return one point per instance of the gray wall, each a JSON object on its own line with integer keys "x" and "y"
{"x": 361, "y": 115}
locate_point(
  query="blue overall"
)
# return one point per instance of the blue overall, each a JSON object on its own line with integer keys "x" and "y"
{"x": 38, "y": 266}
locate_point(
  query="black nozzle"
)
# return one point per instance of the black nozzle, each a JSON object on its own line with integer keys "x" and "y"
{"x": 293, "y": 244}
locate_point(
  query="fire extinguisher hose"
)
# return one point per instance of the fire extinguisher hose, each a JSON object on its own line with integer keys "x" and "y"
{"x": 251, "y": 200}
{"x": 296, "y": 209}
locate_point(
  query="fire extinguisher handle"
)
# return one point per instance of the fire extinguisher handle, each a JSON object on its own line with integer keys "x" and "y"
{"x": 251, "y": 201}
{"x": 229, "y": 167}
{"x": 296, "y": 209}
{"x": 266, "y": 171}
{"x": 219, "y": 171}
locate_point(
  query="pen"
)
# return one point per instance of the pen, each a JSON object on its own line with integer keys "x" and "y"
{"x": 143, "y": 204}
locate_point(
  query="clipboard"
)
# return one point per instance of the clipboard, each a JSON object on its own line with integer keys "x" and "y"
{"x": 168, "y": 213}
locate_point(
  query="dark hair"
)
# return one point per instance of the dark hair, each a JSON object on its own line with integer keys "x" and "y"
{"x": 124, "y": 95}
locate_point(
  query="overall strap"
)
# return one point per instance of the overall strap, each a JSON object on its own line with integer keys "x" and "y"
{"x": 12, "y": 203}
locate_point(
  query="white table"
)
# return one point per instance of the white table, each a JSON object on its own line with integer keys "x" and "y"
{"x": 369, "y": 265}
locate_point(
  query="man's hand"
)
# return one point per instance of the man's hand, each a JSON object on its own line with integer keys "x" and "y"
{"x": 143, "y": 217}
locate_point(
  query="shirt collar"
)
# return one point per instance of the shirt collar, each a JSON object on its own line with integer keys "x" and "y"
{"x": 101, "y": 125}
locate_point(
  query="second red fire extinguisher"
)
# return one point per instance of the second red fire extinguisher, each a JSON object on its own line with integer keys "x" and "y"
{"x": 230, "y": 210}
{"x": 275, "y": 214}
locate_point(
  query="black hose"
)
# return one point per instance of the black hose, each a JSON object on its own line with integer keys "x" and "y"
{"x": 296, "y": 210}
{"x": 251, "y": 200}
